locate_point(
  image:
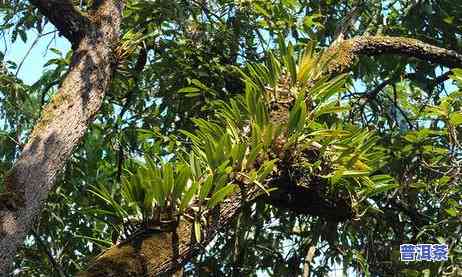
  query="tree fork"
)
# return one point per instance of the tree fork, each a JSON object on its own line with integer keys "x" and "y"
{"x": 123, "y": 260}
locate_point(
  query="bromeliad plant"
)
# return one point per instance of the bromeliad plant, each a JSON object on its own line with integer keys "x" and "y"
{"x": 285, "y": 122}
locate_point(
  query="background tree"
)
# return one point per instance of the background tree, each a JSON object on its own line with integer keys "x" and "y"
{"x": 307, "y": 169}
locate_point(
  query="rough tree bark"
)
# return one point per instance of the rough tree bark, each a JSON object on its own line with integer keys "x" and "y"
{"x": 153, "y": 254}
{"x": 64, "y": 120}
{"x": 346, "y": 52}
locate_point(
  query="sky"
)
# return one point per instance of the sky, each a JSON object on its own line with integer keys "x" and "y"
{"x": 32, "y": 67}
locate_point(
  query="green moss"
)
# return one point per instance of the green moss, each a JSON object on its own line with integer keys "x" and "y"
{"x": 48, "y": 112}
{"x": 153, "y": 251}
{"x": 342, "y": 54}
{"x": 340, "y": 57}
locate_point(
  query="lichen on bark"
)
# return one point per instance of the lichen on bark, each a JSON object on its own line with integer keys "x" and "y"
{"x": 343, "y": 54}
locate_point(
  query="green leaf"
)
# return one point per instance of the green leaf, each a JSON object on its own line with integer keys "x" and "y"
{"x": 449, "y": 19}
{"x": 328, "y": 109}
{"x": 452, "y": 212}
{"x": 101, "y": 242}
{"x": 189, "y": 89}
{"x": 251, "y": 98}
{"x": 220, "y": 195}
{"x": 188, "y": 196}
{"x": 250, "y": 159}
{"x": 238, "y": 153}
{"x": 102, "y": 192}
{"x": 197, "y": 230}
{"x": 200, "y": 85}
{"x": 167, "y": 179}
{"x": 290, "y": 63}
{"x": 195, "y": 165}
{"x": 297, "y": 116}
{"x": 258, "y": 8}
{"x": 261, "y": 114}
{"x": 183, "y": 174}
{"x": 56, "y": 51}
{"x": 265, "y": 170}
{"x": 23, "y": 35}
{"x": 381, "y": 189}
{"x": 206, "y": 187}
{"x": 274, "y": 68}
{"x": 456, "y": 118}
{"x": 325, "y": 89}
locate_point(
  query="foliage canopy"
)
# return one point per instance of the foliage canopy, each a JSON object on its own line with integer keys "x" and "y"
{"x": 211, "y": 98}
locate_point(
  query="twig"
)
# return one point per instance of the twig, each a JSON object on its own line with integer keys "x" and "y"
{"x": 39, "y": 36}
{"x": 27, "y": 55}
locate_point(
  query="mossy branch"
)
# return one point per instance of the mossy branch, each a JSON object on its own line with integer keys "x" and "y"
{"x": 345, "y": 53}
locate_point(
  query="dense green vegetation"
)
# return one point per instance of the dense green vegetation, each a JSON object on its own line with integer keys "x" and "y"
{"x": 210, "y": 99}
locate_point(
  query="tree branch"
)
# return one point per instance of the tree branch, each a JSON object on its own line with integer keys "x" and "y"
{"x": 157, "y": 250}
{"x": 156, "y": 254}
{"x": 69, "y": 114}
{"x": 69, "y": 21}
{"x": 344, "y": 53}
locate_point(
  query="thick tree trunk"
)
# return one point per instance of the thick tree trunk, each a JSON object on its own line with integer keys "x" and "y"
{"x": 64, "y": 120}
